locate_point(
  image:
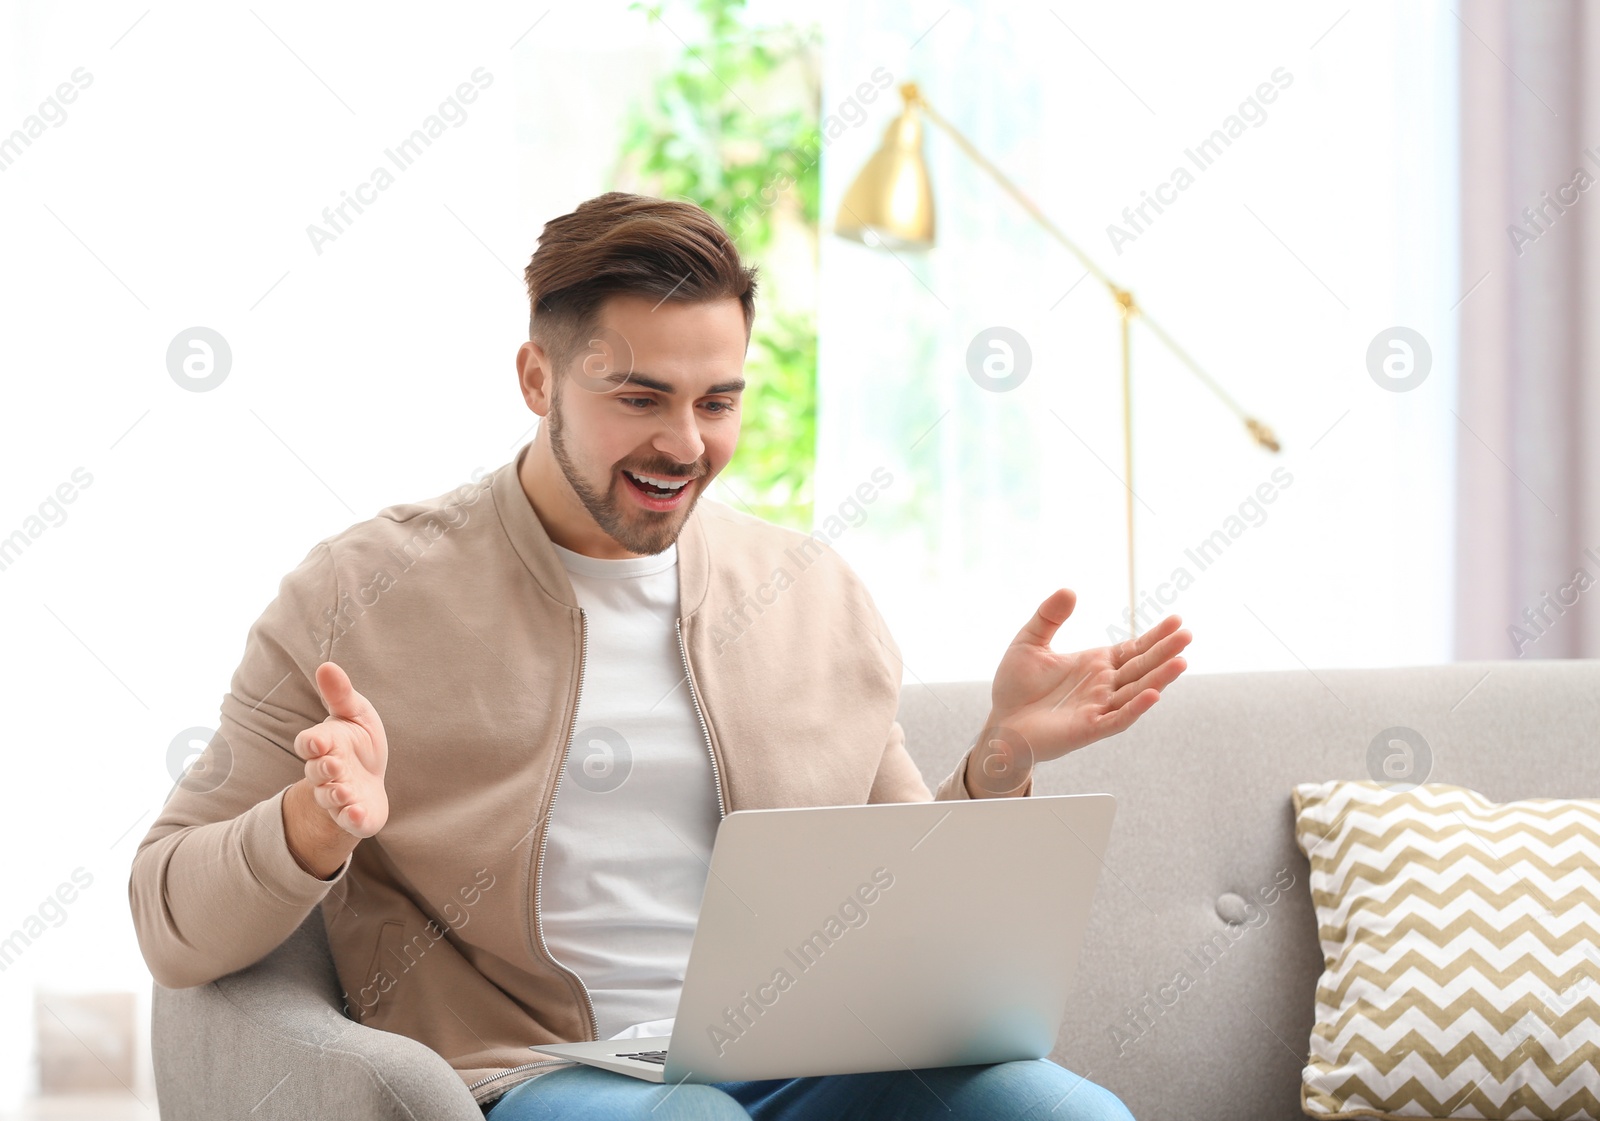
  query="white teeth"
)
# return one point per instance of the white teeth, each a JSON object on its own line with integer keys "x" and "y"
{"x": 665, "y": 484}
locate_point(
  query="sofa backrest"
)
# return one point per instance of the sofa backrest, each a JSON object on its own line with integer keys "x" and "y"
{"x": 1178, "y": 1010}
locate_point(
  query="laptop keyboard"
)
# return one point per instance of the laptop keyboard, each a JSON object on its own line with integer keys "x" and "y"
{"x": 645, "y": 1056}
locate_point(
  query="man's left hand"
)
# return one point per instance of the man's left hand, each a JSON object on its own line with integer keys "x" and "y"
{"x": 1047, "y": 704}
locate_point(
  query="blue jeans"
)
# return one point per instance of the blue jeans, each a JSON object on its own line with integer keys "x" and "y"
{"x": 1025, "y": 1090}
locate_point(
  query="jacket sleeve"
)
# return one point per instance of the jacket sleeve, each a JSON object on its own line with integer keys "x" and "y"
{"x": 213, "y": 887}
{"x": 898, "y": 778}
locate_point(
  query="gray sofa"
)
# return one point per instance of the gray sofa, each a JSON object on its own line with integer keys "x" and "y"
{"x": 1203, "y": 829}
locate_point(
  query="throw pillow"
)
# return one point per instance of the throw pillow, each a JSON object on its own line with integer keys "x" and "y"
{"x": 1461, "y": 953}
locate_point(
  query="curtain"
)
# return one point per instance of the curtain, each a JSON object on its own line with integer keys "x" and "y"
{"x": 1528, "y": 543}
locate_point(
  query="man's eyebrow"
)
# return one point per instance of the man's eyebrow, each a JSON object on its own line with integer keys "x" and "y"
{"x": 645, "y": 381}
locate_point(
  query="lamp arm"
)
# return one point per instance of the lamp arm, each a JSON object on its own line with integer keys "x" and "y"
{"x": 1026, "y": 203}
{"x": 1262, "y": 434}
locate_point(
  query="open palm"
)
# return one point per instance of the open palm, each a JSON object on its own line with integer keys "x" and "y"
{"x": 1051, "y": 703}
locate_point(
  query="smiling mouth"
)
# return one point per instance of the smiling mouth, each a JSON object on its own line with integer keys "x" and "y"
{"x": 657, "y": 492}
{"x": 659, "y": 486}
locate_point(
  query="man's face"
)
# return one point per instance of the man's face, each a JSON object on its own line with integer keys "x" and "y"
{"x": 654, "y": 399}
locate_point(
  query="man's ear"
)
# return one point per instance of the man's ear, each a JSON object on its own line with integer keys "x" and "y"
{"x": 536, "y": 377}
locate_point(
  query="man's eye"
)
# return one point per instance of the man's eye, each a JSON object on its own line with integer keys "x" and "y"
{"x": 641, "y": 403}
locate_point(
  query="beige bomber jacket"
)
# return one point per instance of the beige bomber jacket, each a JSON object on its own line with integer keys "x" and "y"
{"x": 455, "y": 618}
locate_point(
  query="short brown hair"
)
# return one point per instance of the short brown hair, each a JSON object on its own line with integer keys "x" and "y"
{"x": 625, "y": 243}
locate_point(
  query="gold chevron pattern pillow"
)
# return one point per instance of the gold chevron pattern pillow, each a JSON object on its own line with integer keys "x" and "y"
{"x": 1461, "y": 953}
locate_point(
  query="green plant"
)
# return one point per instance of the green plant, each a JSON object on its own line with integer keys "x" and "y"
{"x": 733, "y": 127}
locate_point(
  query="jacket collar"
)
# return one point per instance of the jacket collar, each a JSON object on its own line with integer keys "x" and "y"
{"x": 532, "y": 543}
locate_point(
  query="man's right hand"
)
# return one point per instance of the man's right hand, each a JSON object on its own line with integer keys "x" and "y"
{"x": 341, "y": 799}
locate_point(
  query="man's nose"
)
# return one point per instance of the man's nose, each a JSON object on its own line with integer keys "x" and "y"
{"x": 680, "y": 436}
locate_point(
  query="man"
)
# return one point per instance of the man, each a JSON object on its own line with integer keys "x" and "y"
{"x": 516, "y": 885}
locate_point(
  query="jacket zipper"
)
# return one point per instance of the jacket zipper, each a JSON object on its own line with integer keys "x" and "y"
{"x": 538, "y": 875}
{"x": 514, "y": 1070}
{"x": 716, "y": 776}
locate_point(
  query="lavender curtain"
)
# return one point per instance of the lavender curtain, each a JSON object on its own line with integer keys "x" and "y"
{"x": 1528, "y": 448}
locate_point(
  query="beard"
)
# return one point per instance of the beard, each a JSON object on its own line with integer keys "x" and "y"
{"x": 636, "y": 529}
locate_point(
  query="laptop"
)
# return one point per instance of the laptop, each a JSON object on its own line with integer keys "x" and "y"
{"x": 896, "y": 935}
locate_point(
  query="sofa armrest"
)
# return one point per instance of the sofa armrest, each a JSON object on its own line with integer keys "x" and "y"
{"x": 271, "y": 1041}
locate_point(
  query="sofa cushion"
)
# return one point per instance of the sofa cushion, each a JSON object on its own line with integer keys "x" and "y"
{"x": 1461, "y": 949}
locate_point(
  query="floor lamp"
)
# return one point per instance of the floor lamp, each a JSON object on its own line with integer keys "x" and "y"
{"x": 890, "y": 205}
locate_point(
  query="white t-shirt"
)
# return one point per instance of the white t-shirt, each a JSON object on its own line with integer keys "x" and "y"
{"x": 634, "y": 818}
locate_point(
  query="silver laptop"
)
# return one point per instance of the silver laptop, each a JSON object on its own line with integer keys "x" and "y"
{"x": 845, "y": 939}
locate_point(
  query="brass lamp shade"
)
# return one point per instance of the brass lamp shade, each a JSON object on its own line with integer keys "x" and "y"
{"x": 892, "y": 197}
